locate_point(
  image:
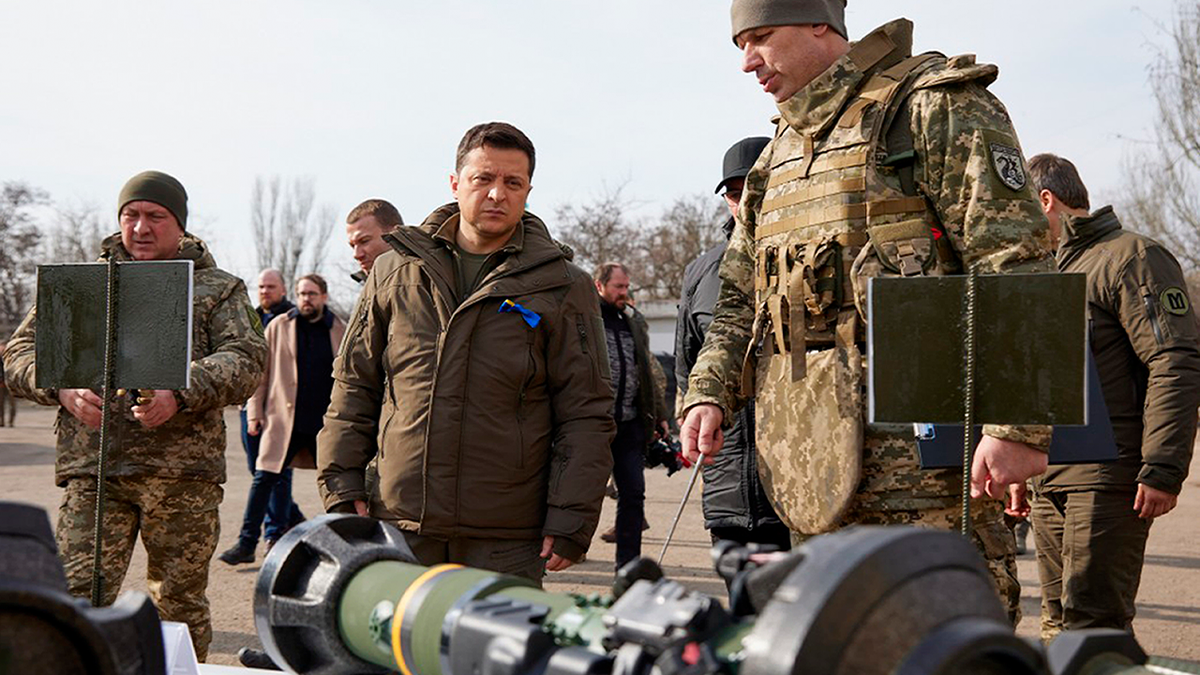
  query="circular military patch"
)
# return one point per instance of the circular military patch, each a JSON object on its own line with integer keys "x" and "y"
{"x": 1175, "y": 301}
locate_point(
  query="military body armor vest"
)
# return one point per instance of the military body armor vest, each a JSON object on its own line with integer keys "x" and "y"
{"x": 836, "y": 210}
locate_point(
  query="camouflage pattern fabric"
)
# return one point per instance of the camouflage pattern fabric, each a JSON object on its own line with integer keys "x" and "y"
{"x": 228, "y": 355}
{"x": 179, "y": 524}
{"x": 825, "y": 179}
{"x": 832, "y": 472}
{"x": 164, "y": 483}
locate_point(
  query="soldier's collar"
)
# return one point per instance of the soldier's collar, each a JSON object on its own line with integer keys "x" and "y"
{"x": 817, "y": 106}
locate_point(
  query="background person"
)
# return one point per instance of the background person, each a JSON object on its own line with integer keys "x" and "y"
{"x": 288, "y": 408}
{"x": 365, "y": 226}
{"x": 637, "y": 409}
{"x": 282, "y": 512}
{"x": 736, "y": 508}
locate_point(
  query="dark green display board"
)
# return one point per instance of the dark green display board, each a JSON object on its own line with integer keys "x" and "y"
{"x": 1031, "y": 342}
{"x": 154, "y": 325}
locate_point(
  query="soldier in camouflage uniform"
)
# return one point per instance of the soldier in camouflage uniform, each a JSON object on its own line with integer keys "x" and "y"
{"x": 883, "y": 164}
{"x": 167, "y": 461}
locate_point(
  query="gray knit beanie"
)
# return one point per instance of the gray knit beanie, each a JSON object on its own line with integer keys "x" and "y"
{"x": 747, "y": 14}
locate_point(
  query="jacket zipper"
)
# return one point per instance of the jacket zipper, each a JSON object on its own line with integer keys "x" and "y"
{"x": 1152, "y": 311}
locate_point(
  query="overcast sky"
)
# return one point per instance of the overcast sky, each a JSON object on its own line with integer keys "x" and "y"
{"x": 371, "y": 97}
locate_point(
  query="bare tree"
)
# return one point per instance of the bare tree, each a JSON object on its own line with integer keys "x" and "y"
{"x": 289, "y": 235}
{"x": 1161, "y": 195}
{"x": 19, "y": 240}
{"x": 600, "y": 231}
{"x": 688, "y": 227}
{"x": 656, "y": 251}
{"x": 77, "y": 232}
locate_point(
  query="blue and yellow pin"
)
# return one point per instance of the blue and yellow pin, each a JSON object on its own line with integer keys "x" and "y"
{"x": 531, "y": 318}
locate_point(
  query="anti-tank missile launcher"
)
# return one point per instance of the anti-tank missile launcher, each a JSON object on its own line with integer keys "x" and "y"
{"x": 343, "y": 594}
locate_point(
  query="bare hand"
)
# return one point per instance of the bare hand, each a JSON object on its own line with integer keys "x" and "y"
{"x": 254, "y": 427}
{"x": 83, "y": 404}
{"x": 1018, "y": 500}
{"x": 554, "y": 562}
{"x": 155, "y": 407}
{"x": 360, "y": 507}
{"x": 701, "y": 433}
{"x": 1152, "y": 502}
{"x": 664, "y": 430}
{"x": 999, "y": 463}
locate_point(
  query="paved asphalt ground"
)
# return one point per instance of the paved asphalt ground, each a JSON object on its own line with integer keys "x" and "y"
{"x": 1168, "y": 622}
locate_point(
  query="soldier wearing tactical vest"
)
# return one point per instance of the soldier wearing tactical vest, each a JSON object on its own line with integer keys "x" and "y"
{"x": 882, "y": 164}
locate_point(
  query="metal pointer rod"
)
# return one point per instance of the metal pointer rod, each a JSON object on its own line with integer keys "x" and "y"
{"x": 679, "y": 513}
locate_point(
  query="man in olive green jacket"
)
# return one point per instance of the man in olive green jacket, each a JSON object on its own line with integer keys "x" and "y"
{"x": 477, "y": 358}
{"x": 1091, "y": 521}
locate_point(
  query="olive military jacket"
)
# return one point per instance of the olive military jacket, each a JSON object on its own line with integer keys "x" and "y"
{"x": 487, "y": 426}
{"x": 228, "y": 355}
{"x": 1143, "y": 337}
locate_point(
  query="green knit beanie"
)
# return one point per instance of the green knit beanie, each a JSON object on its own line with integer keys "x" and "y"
{"x": 747, "y": 14}
{"x": 157, "y": 187}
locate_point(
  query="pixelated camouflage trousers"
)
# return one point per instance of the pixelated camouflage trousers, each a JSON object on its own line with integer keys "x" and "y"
{"x": 179, "y": 524}
{"x": 894, "y": 490}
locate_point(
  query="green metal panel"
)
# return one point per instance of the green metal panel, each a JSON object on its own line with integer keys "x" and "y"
{"x": 154, "y": 325}
{"x": 1031, "y": 342}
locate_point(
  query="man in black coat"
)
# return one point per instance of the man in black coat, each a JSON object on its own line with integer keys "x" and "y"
{"x": 735, "y": 505}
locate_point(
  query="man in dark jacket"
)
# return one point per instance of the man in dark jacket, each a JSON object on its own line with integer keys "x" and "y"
{"x": 736, "y": 507}
{"x": 637, "y": 408}
{"x": 476, "y": 356}
{"x": 1091, "y": 521}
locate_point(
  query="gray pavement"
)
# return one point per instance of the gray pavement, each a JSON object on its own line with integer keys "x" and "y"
{"x": 1168, "y": 622}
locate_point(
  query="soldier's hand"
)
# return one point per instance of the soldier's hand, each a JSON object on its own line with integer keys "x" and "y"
{"x": 1018, "y": 500}
{"x": 701, "y": 433}
{"x": 83, "y": 404}
{"x": 554, "y": 561}
{"x": 155, "y": 407}
{"x": 360, "y": 507}
{"x": 254, "y": 427}
{"x": 1151, "y": 502}
{"x": 999, "y": 463}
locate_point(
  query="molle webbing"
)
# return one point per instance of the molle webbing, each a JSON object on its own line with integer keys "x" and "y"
{"x": 832, "y": 214}
{"x": 820, "y": 165}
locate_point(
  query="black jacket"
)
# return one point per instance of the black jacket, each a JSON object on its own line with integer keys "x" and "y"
{"x": 733, "y": 492}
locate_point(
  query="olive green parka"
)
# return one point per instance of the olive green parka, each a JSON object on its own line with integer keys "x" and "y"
{"x": 487, "y": 427}
{"x": 1143, "y": 336}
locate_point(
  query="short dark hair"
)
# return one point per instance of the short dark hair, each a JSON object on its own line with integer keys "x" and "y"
{"x": 500, "y": 135}
{"x": 1059, "y": 176}
{"x": 316, "y": 279}
{"x": 383, "y": 211}
{"x": 605, "y": 271}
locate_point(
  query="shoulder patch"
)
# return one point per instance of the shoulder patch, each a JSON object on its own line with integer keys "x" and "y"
{"x": 1175, "y": 300}
{"x": 255, "y": 322}
{"x": 1008, "y": 163}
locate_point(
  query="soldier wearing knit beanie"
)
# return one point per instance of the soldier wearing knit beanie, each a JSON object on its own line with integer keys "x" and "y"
{"x": 748, "y": 14}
